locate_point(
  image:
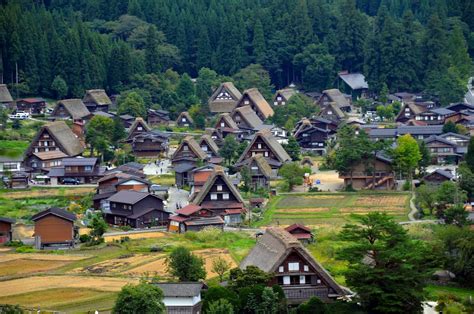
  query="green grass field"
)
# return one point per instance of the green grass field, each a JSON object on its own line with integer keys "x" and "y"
{"x": 13, "y": 149}
{"x": 332, "y": 208}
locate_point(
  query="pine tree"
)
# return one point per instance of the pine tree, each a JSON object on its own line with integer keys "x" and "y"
{"x": 459, "y": 57}
{"x": 259, "y": 49}
{"x": 152, "y": 61}
{"x": 434, "y": 50}
{"x": 204, "y": 49}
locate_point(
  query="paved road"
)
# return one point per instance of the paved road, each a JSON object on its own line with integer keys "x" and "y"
{"x": 163, "y": 167}
{"x": 177, "y": 197}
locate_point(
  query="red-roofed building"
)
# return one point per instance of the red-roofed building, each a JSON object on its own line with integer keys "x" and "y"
{"x": 301, "y": 232}
{"x": 193, "y": 218}
{"x": 31, "y": 105}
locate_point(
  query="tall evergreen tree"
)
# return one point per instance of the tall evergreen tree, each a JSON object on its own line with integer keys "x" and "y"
{"x": 152, "y": 61}
{"x": 259, "y": 49}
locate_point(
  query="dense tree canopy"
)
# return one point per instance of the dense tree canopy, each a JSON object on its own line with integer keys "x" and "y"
{"x": 107, "y": 43}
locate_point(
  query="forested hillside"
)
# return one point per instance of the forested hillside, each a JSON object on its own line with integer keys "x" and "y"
{"x": 408, "y": 45}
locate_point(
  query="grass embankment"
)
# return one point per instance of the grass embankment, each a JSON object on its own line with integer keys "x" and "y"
{"x": 333, "y": 209}
{"x": 164, "y": 179}
{"x": 13, "y": 149}
{"x": 25, "y": 203}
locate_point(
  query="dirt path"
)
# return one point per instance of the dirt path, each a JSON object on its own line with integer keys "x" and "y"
{"x": 39, "y": 283}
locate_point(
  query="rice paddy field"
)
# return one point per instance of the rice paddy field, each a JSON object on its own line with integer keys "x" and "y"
{"x": 88, "y": 279}
{"x": 333, "y": 209}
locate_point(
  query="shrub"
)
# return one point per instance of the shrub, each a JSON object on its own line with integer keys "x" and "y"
{"x": 25, "y": 249}
{"x": 155, "y": 249}
{"x": 84, "y": 238}
{"x": 406, "y": 185}
{"x": 14, "y": 243}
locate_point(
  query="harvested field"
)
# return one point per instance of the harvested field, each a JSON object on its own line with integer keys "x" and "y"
{"x": 372, "y": 209}
{"x": 119, "y": 264}
{"x": 141, "y": 235}
{"x": 57, "y": 299}
{"x": 305, "y": 201}
{"x": 159, "y": 267}
{"x": 39, "y": 283}
{"x": 47, "y": 192}
{"x": 25, "y": 266}
{"x": 303, "y": 210}
{"x": 382, "y": 200}
{"x": 44, "y": 257}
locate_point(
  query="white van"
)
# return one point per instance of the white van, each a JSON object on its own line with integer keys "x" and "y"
{"x": 19, "y": 115}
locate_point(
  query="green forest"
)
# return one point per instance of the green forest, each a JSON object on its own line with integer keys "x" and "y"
{"x": 59, "y": 48}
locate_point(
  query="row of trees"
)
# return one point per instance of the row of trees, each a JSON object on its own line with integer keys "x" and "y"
{"x": 81, "y": 43}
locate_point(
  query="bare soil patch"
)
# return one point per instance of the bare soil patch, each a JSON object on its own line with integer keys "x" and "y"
{"x": 39, "y": 283}
{"x": 382, "y": 200}
{"x": 372, "y": 209}
{"x": 142, "y": 235}
{"x": 25, "y": 266}
{"x": 117, "y": 264}
{"x": 44, "y": 257}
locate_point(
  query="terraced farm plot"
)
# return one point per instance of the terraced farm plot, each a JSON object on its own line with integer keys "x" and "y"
{"x": 333, "y": 209}
{"x": 27, "y": 266}
{"x": 118, "y": 265}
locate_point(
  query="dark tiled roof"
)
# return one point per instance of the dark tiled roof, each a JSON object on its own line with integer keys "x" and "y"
{"x": 180, "y": 289}
{"x": 79, "y": 161}
{"x": 7, "y": 220}
{"x": 57, "y": 212}
{"x": 130, "y": 197}
{"x": 203, "y": 221}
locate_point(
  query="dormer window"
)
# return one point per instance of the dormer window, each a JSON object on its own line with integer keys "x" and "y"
{"x": 222, "y": 124}
{"x": 219, "y": 187}
{"x": 185, "y": 148}
{"x": 139, "y": 128}
{"x": 278, "y": 98}
{"x": 204, "y": 148}
{"x": 246, "y": 102}
{"x": 183, "y": 119}
{"x": 259, "y": 146}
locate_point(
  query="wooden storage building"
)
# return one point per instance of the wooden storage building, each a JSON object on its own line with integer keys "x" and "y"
{"x": 54, "y": 227}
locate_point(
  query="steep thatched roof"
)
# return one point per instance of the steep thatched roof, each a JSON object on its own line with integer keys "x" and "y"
{"x": 63, "y": 136}
{"x": 248, "y": 115}
{"x": 138, "y": 122}
{"x": 229, "y": 94}
{"x": 97, "y": 96}
{"x": 210, "y": 142}
{"x": 75, "y": 107}
{"x": 193, "y": 145}
{"x": 186, "y": 115}
{"x": 272, "y": 144}
{"x": 286, "y": 93}
{"x": 5, "y": 95}
{"x": 275, "y": 246}
{"x": 218, "y": 173}
{"x": 227, "y": 120}
{"x": 262, "y": 164}
{"x": 262, "y": 105}
{"x": 336, "y": 96}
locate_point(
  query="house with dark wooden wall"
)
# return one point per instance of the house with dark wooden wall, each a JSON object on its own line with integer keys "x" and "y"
{"x": 85, "y": 170}
{"x": 331, "y": 111}
{"x": 158, "y": 117}
{"x": 300, "y": 232}
{"x": 311, "y": 137}
{"x": 188, "y": 151}
{"x": 224, "y": 98}
{"x": 443, "y": 151}
{"x": 6, "y": 229}
{"x": 54, "y": 227}
{"x": 97, "y": 100}
{"x": 127, "y": 120}
{"x": 52, "y": 139}
{"x": 31, "y": 105}
{"x": 293, "y": 268}
{"x": 194, "y": 218}
{"x": 135, "y": 209}
{"x": 153, "y": 144}
{"x": 260, "y": 172}
{"x": 365, "y": 174}
{"x": 438, "y": 176}
{"x": 434, "y": 116}
{"x": 246, "y": 119}
{"x": 253, "y": 98}
{"x": 282, "y": 96}
{"x": 334, "y": 96}
{"x": 139, "y": 126}
{"x": 118, "y": 181}
{"x": 221, "y": 197}
{"x": 408, "y": 112}
{"x": 263, "y": 143}
{"x": 184, "y": 120}
{"x": 210, "y": 147}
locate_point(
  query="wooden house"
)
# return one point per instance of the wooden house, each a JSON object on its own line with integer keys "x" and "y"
{"x": 216, "y": 136}
{"x": 139, "y": 126}
{"x": 260, "y": 172}
{"x": 293, "y": 268}
{"x": 263, "y": 143}
{"x": 459, "y": 139}
{"x": 458, "y": 107}
{"x": 408, "y": 112}
{"x": 253, "y": 98}
{"x": 54, "y": 227}
{"x": 224, "y": 98}
{"x": 210, "y": 147}
{"x": 221, "y": 197}
{"x": 312, "y": 138}
{"x": 153, "y": 144}
{"x": 300, "y": 232}
{"x": 434, "y": 116}
{"x": 442, "y": 151}
{"x": 181, "y": 297}
{"x": 438, "y": 176}
{"x": 353, "y": 84}
{"x": 246, "y": 119}
{"x": 6, "y": 229}
{"x": 188, "y": 151}
{"x": 158, "y": 117}
{"x": 282, "y": 96}
{"x": 200, "y": 175}
{"x": 118, "y": 181}
{"x": 19, "y": 180}
{"x": 334, "y": 96}
{"x": 331, "y": 111}
{"x": 84, "y": 170}
{"x": 73, "y": 109}
{"x": 127, "y": 120}
{"x": 225, "y": 121}
{"x": 365, "y": 176}
{"x": 55, "y": 140}
{"x": 194, "y": 218}
{"x": 132, "y": 168}
{"x": 135, "y": 209}
{"x": 6, "y": 99}
{"x": 31, "y": 105}
{"x": 10, "y": 163}
{"x": 97, "y": 100}
{"x": 185, "y": 120}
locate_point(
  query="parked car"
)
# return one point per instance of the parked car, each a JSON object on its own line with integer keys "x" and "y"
{"x": 19, "y": 115}
{"x": 70, "y": 181}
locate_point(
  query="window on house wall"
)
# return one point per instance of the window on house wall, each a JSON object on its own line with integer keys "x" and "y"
{"x": 293, "y": 266}
{"x": 139, "y": 128}
{"x": 88, "y": 168}
{"x": 265, "y": 154}
{"x": 259, "y": 146}
{"x": 219, "y": 187}
{"x": 225, "y": 196}
{"x": 281, "y": 269}
{"x": 185, "y": 147}
{"x": 246, "y": 102}
{"x": 302, "y": 280}
{"x": 286, "y": 280}
{"x": 222, "y": 124}
{"x": 305, "y": 268}
{"x": 213, "y": 196}
{"x": 283, "y": 102}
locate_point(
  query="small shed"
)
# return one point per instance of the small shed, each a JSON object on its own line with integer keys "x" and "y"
{"x": 182, "y": 297}
{"x": 19, "y": 180}
{"x": 301, "y": 232}
{"x": 6, "y": 230}
{"x": 54, "y": 227}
